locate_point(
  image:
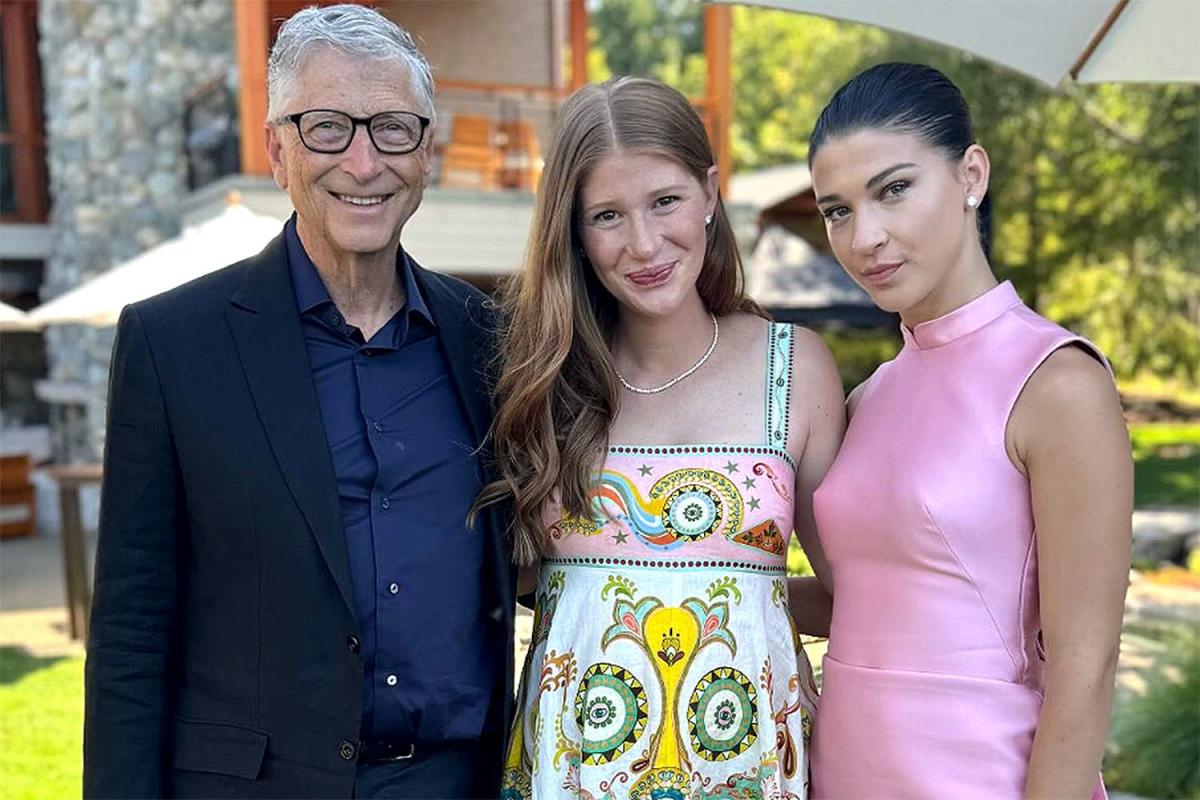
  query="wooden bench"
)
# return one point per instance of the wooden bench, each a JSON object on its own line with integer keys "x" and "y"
{"x": 18, "y": 500}
{"x": 521, "y": 155}
{"x": 471, "y": 158}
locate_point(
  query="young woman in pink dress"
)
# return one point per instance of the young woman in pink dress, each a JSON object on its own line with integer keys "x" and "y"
{"x": 659, "y": 440}
{"x": 977, "y": 519}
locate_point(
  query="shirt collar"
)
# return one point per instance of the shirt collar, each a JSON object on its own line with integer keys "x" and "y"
{"x": 963, "y": 320}
{"x": 310, "y": 288}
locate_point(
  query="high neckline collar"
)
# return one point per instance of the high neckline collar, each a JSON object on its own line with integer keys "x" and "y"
{"x": 965, "y": 319}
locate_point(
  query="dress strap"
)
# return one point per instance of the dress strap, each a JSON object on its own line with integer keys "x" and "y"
{"x": 779, "y": 382}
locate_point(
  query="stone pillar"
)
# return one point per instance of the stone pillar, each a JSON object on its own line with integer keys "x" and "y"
{"x": 116, "y": 75}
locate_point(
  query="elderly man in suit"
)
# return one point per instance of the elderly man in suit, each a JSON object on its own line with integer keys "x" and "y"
{"x": 290, "y": 601}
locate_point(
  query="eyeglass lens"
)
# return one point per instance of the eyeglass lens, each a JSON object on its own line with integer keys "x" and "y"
{"x": 393, "y": 131}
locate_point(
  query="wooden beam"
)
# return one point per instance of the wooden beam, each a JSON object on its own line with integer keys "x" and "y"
{"x": 579, "y": 43}
{"x": 717, "y": 37}
{"x": 491, "y": 88}
{"x": 252, "y": 29}
{"x": 26, "y": 132}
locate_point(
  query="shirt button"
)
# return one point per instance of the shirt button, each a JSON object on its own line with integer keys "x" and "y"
{"x": 385, "y": 504}
{"x": 393, "y": 588}
{"x": 392, "y": 680}
{"x": 347, "y": 750}
{"x": 337, "y": 319}
{"x": 377, "y": 426}
{"x": 353, "y": 643}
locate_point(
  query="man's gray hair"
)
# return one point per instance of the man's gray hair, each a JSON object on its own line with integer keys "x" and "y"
{"x": 349, "y": 29}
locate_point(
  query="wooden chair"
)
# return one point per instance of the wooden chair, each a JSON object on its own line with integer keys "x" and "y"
{"x": 18, "y": 500}
{"x": 521, "y": 155}
{"x": 471, "y": 158}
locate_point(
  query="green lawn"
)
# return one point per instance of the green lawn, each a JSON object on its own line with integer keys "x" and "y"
{"x": 1166, "y": 463}
{"x": 41, "y": 726}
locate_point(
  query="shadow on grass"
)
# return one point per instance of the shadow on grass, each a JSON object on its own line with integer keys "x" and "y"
{"x": 17, "y": 662}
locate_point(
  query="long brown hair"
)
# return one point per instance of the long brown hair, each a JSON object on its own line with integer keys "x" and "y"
{"x": 556, "y": 391}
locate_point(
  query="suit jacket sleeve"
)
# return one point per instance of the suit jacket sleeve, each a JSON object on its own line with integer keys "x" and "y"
{"x": 129, "y": 670}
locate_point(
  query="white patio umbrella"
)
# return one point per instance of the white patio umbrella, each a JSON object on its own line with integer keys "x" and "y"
{"x": 1091, "y": 41}
{"x": 14, "y": 319}
{"x": 232, "y": 235}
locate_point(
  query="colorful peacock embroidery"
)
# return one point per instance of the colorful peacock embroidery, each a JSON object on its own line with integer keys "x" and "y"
{"x": 611, "y": 710}
{"x": 721, "y": 717}
{"x": 685, "y": 505}
{"x": 721, "y": 714}
{"x": 785, "y": 745}
{"x": 557, "y": 671}
{"x": 686, "y": 684}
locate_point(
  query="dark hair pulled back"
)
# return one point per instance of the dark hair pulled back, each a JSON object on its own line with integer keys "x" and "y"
{"x": 904, "y": 98}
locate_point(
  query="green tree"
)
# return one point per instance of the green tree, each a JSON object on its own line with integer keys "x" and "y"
{"x": 1096, "y": 202}
{"x": 785, "y": 68}
{"x": 1095, "y": 190}
{"x": 648, "y": 38}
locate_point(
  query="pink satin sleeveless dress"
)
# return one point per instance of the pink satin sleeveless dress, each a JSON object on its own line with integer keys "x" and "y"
{"x": 932, "y": 685}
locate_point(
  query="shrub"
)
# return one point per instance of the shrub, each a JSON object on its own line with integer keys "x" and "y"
{"x": 797, "y": 561}
{"x": 1154, "y": 749}
{"x": 859, "y": 352}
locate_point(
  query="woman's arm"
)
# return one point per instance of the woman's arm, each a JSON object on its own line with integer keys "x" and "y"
{"x": 1068, "y": 433}
{"x": 818, "y": 415}
{"x": 811, "y": 606}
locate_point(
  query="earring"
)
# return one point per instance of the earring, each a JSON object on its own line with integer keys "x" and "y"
{"x": 708, "y": 219}
{"x": 972, "y": 201}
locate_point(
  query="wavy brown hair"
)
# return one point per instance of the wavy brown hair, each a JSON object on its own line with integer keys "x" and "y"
{"x": 556, "y": 391}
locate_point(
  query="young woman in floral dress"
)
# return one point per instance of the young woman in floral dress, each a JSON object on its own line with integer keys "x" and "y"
{"x": 659, "y": 440}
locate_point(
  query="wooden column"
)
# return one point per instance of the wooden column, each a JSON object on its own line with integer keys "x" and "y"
{"x": 252, "y": 29}
{"x": 26, "y": 132}
{"x": 579, "y": 43}
{"x": 717, "y": 36}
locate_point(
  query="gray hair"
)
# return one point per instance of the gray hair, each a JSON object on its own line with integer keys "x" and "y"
{"x": 349, "y": 29}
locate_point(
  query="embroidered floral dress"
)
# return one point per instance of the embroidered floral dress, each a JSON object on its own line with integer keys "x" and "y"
{"x": 664, "y": 662}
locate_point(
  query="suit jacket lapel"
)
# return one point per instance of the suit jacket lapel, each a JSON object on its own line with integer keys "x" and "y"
{"x": 266, "y": 331}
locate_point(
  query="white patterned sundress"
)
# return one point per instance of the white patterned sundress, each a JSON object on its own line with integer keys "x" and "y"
{"x": 664, "y": 662}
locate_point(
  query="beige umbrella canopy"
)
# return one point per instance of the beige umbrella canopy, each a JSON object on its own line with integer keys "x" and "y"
{"x": 1090, "y": 41}
{"x": 229, "y": 237}
{"x": 14, "y": 319}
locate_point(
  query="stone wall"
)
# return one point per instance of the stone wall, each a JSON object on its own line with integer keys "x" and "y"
{"x": 116, "y": 75}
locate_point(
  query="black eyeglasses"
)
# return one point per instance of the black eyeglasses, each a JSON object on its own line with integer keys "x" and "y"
{"x": 393, "y": 133}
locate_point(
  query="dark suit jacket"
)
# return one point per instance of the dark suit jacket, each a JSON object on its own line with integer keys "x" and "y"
{"x": 219, "y": 662}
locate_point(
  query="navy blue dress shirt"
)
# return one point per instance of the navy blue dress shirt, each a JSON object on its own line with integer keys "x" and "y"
{"x": 407, "y": 473}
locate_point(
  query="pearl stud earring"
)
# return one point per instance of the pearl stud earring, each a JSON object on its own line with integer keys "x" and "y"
{"x": 708, "y": 219}
{"x": 972, "y": 201}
